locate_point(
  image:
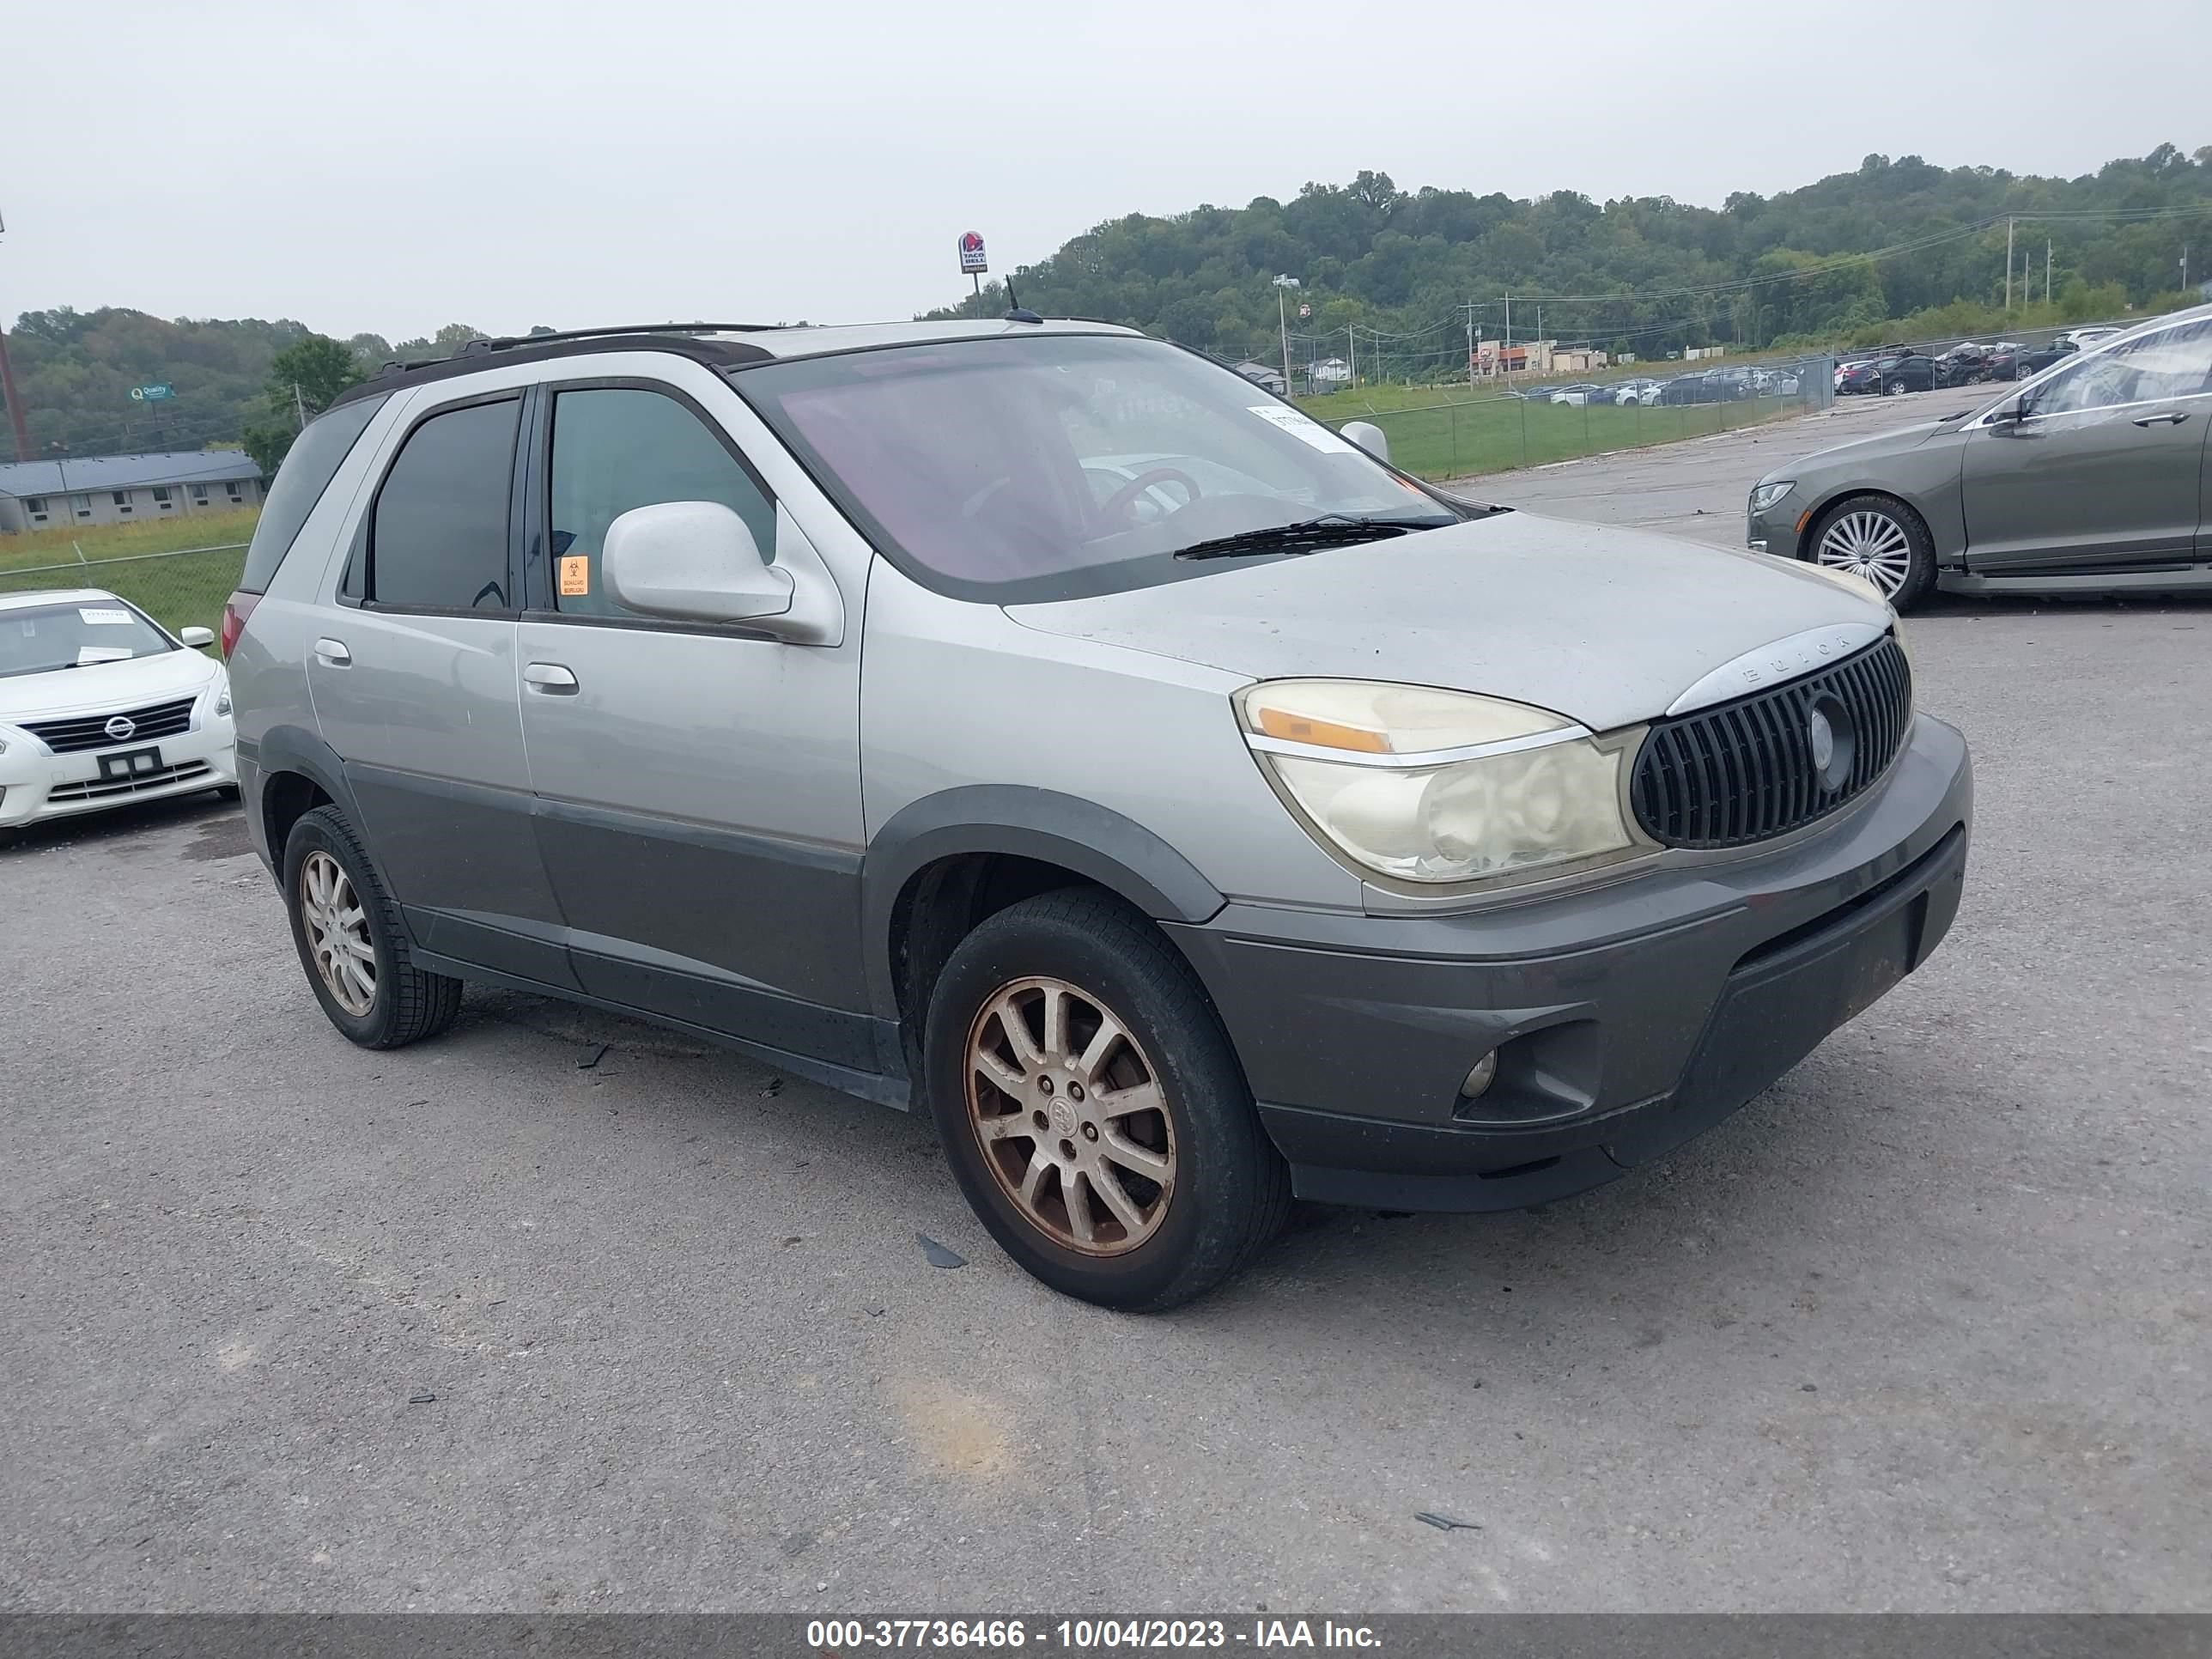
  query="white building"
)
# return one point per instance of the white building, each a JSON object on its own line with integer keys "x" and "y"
{"x": 124, "y": 488}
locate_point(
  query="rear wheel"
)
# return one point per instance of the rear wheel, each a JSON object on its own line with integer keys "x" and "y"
{"x": 346, "y": 927}
{"x": 1092, "y": 1109}
{"x": 1881, "y": 539}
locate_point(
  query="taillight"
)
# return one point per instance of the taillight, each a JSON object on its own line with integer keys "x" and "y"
{"x": 235, "y": 610}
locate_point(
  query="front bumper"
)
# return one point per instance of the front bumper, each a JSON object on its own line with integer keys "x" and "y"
{"x": 1626, "y": 1018}
{"x": 1775, "y": 531}
{"x": 35, "y": 785}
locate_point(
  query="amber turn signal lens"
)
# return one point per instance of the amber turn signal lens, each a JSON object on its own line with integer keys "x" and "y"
{"x": 1326, "y": 734}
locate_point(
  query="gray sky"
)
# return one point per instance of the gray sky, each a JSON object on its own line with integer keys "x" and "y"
{"x": 395, "y": 166}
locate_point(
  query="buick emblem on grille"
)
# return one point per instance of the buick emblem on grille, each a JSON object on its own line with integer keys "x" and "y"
{"x": 1822, "y": 736}
{"x": 121, "y": 727}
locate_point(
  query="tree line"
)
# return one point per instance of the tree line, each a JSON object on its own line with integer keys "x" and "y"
{"x": 1828, "y": 262}
{"x": 1838, "y": 261}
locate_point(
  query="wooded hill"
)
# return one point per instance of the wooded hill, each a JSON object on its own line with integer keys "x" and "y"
{"x": 1840, "y": 260}
{"x": 1845, "y": 256}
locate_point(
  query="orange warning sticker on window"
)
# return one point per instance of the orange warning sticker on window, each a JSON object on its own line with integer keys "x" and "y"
{"x": 575, "y": 575}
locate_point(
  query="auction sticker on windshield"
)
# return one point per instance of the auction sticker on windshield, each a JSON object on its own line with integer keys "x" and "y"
{"x": 1305, "y": 428}
{"x": 106, "y": 618}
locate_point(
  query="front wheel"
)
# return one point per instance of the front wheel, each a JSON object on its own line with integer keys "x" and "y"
{"x": 1092, "y": 1109}
{"x": 1881, "y": 540}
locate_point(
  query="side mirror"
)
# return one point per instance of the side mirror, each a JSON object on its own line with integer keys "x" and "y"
{"x": 2007, "y": 415}
{"x": 1369, "y": 437}
{"x": 198, "y": 638}
{"x": 690, "y": 562}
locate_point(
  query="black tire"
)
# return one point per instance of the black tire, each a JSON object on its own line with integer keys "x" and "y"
{"x": 1920, "y": 570}
{"x": 229, "y": 792}
{"x": 1230, "y": 1190}
{"x": 409, "y": 1004}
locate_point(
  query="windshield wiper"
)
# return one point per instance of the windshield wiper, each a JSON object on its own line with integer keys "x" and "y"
{"x": 1307, "y": 536}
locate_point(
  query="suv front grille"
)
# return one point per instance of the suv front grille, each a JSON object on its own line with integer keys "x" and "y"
{"x": 70, "y": 737}
{"x": 1747, "y": 770}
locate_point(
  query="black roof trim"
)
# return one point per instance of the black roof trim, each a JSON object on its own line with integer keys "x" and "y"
{"x": 679, "y": 338}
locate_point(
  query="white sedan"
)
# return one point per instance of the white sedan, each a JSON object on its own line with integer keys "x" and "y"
{"x": 101, "y": 705}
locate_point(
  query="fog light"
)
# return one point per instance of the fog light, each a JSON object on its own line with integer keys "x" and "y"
{"x": 1480, "y": 1076}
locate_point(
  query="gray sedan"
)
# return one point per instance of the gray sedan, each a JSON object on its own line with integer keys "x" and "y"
{"x": 2090, "y": 477}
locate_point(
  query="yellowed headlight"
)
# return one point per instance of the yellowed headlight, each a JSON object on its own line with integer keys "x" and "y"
{"x": 1376, "y": 718}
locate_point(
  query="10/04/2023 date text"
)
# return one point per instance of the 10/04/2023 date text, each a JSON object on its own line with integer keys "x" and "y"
{"x": 1084, "y": 1634}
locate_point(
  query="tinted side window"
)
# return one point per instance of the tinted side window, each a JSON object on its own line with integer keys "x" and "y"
{"x": 312, "y": 462}
{"x": 438, "y": 539}
{"x": 618, "y": 447}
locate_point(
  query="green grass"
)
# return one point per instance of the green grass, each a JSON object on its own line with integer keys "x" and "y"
{"x": 185, "y": 589}
{"x": 1435, "y": 439}
{"x": 114, "y": 541}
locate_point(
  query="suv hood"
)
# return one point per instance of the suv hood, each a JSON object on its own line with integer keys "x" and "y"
{"x": 165, "y": 676}
{"x": 1608, "y": 627}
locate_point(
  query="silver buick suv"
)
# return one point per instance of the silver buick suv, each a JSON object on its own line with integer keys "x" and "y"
{"x": 1039, "y": 724}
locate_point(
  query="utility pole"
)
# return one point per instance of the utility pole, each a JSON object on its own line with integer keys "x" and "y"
{"x": 298, "y": 406}
{"x": 1283, "y": 319}
{"x": 2046, "y": 270}
{"x": 2184, "y": 267}
{"x": 1509, "y": 322}
{"x": 1469, "y": 309}
{"x": 8, "y": 391}
{"x": 1352, "y": 343}
{"x": 2008, "y": 267}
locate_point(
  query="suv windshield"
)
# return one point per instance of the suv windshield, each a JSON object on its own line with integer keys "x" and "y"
{"x": 40, "y": 638}
{"x": 1057, "y": 465}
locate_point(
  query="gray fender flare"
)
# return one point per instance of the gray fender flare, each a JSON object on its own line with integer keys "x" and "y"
{"x": 295, "y": 749}
{"x": 1095, "y": 842}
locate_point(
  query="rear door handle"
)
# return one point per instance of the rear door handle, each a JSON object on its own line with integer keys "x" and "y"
{"x": 2168, "y": 418}
{"x": 334, "y": 652}
{"x": 549, "y": 678}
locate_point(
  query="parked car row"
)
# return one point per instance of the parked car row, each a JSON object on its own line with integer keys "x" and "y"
{"x": 1900, "y": 368}
{"x": 1714, "y": 385}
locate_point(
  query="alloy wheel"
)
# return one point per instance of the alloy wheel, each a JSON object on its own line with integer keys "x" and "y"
{"x": 1869, "y": 544}
{"x": 337, "y": 933}
{"x": 1070, "y": 1114}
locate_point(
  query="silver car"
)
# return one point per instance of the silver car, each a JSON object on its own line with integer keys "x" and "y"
{"x": 1041, "y": 726}
{"x": 2091, "y": 477}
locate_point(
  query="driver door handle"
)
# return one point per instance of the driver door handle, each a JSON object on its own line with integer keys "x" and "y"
{"x": 2166, "y": 417}
{"x": 549, "y": 679}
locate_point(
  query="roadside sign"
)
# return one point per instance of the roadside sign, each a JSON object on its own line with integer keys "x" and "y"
{"x": 1305, "y": 311}
{"x": 150, "y": 394}
{"x": 972, "y": 262}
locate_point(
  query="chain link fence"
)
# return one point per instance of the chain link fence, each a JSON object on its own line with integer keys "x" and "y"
{"x": 182, "y": 589}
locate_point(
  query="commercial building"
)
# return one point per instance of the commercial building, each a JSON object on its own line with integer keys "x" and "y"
{"x": 124, "y": 488}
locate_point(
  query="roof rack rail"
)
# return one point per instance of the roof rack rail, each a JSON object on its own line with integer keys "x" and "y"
{"x": 482, "y": 354}
{"x": 501, "y": 342}
{"x": 483, "y": 345}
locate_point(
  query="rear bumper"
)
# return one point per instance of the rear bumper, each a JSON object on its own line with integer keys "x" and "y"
{"x": 1626, "y": 1019}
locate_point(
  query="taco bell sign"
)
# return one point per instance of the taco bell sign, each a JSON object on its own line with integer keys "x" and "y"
{"x": 972, "y": 262}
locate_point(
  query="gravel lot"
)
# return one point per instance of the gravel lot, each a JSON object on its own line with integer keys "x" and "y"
{"x": 1926, "y": 1327}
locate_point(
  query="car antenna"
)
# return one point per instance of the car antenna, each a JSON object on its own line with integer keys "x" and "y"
{"x": 1020, "y": 314}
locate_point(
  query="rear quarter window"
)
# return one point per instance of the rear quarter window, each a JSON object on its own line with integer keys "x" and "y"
{"x": 307, "y": 472}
